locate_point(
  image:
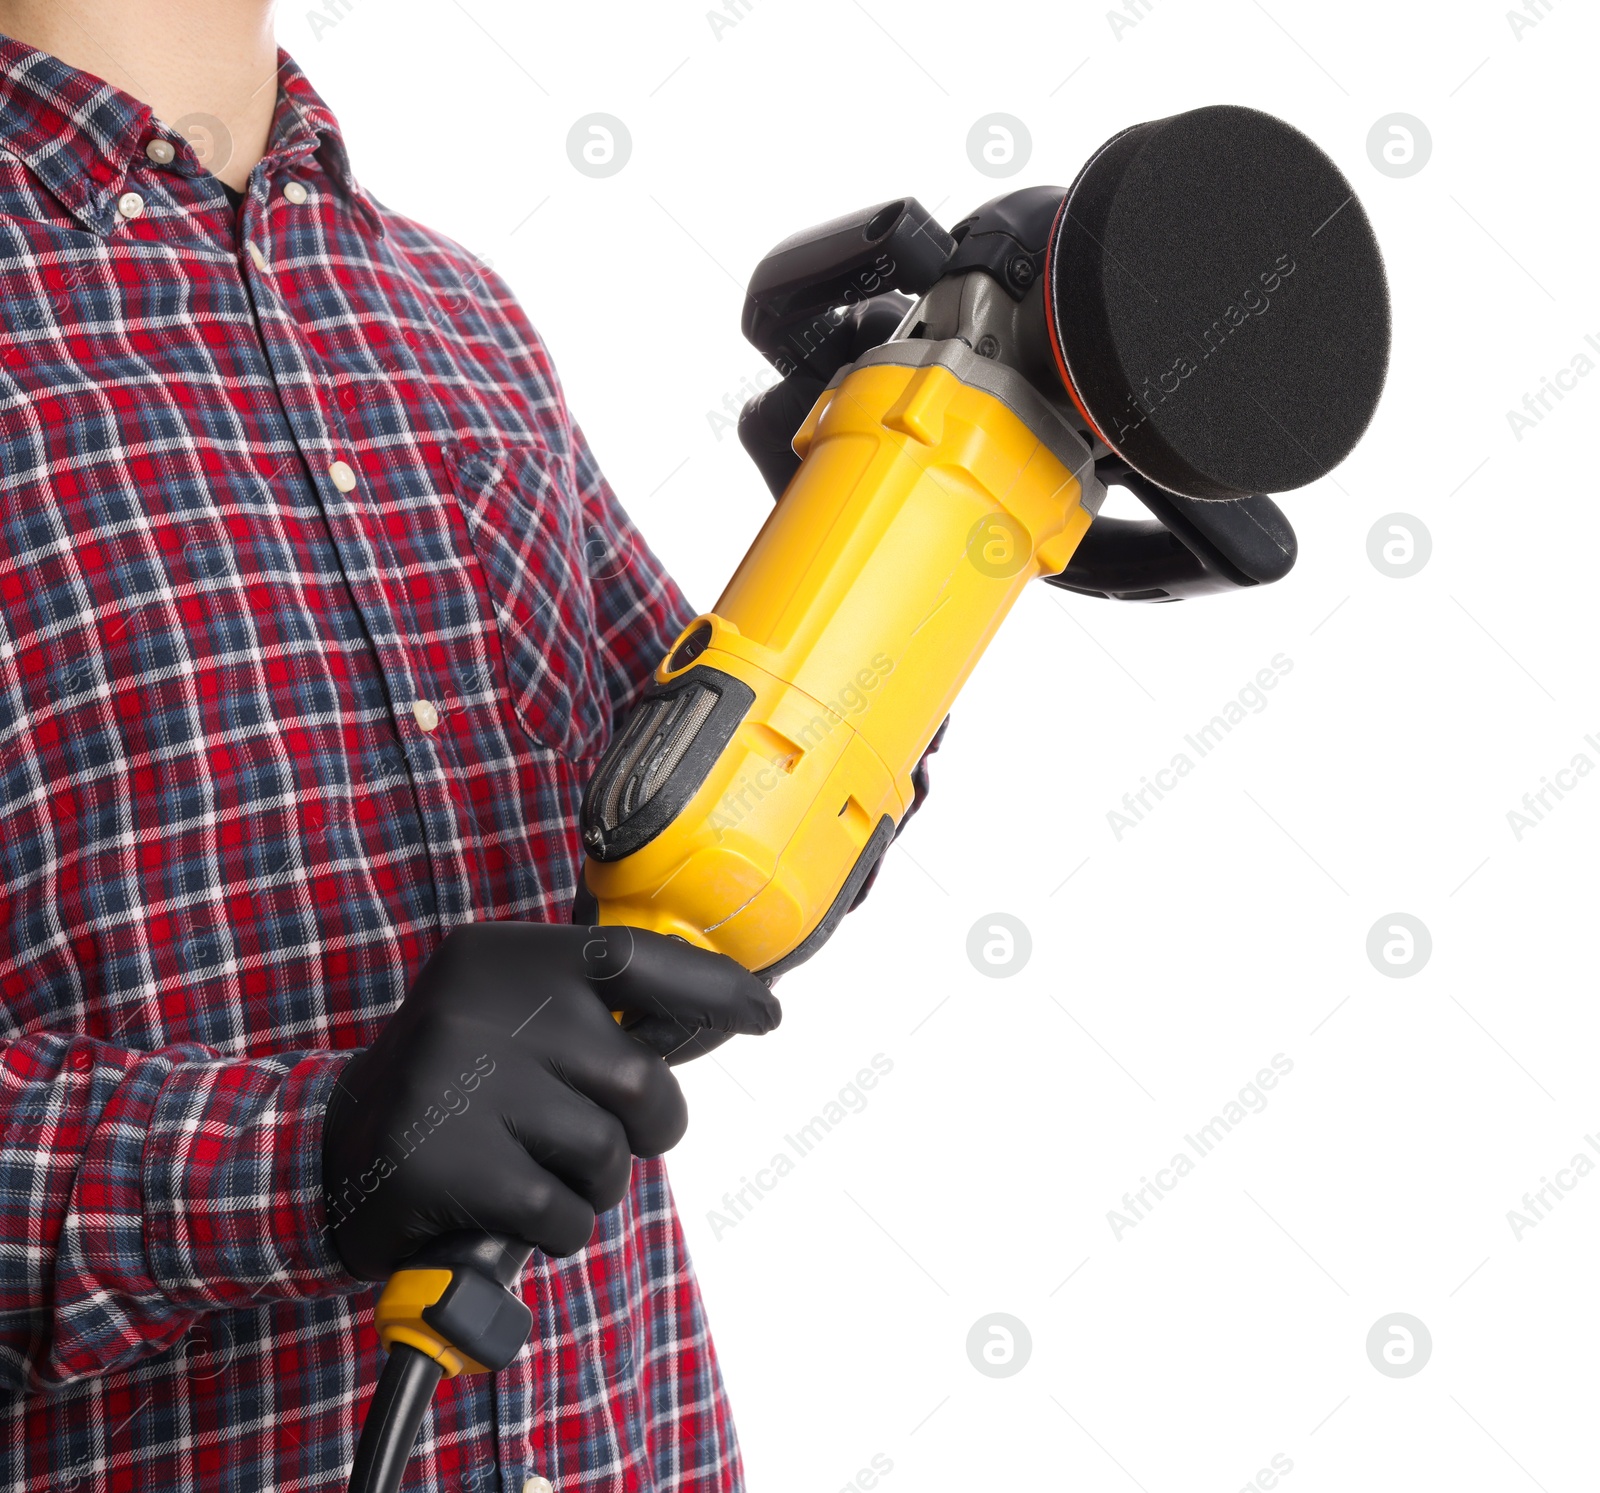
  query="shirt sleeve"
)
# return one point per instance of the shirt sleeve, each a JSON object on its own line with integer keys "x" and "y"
{"x": 639, "y": 610}
{"x": 139, "y": 1190}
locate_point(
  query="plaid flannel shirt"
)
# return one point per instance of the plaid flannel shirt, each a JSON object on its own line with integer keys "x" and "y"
{"x": 277, "y": 489}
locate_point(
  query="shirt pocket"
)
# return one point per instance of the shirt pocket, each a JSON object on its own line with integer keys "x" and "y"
{"x": 526, "y": 527}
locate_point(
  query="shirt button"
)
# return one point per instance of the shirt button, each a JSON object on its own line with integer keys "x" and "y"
{"x": 343, "y": 475}
{"x": 427, "y": 714}
{"x": 296, "y": 193}
{"x": 130, "y": 204}
{"x": 257, "y": 258}
{"x": 161, "y": 152}
{"x": 537, "y": 1485}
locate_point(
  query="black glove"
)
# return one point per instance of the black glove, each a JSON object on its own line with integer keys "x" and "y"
{"x": 768, "y": 422}
{"x": 919, "y": 792}
{"x": 502, "y": 1095}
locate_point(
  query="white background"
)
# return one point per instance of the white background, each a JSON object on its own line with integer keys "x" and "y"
{"x": 1231, "y": 924}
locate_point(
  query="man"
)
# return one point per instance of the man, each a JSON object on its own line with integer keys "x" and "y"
{"x": 315, "y": 612}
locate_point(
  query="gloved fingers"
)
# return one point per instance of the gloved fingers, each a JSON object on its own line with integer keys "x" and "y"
{"x": 767, "y": 426}
{"x": 919, "y": 792}
{"x": 626, "y": 1079}
{"x": 506, "y": 1191}
{"x": 675, "y": 1040}
{"x": 919, "y": 775}
{"x": 769, "y": 420}
{"x": 574, "y": 1139}
{"x": 651, "y": 974}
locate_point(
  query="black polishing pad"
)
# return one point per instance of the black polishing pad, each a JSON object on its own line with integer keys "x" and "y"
{"x": 1217, "y": 303}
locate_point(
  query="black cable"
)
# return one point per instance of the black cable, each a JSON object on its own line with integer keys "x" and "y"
{"x": 399, "y": 1402}
{"x": 476, "y": 1313}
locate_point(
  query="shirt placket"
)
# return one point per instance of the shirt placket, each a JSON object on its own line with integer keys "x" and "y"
{"x": 341, "y": 487}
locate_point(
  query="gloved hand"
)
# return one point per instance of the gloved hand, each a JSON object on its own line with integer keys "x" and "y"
{"x": 503, "y": 1096}
{"x": 919, "y": 792}
{"x": 768, "y": 422}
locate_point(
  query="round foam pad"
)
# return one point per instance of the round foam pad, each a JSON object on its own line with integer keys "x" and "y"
{"x": 1217, "y": 303}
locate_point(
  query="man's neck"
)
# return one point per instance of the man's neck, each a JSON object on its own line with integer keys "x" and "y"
{"x": 197, "y": 63}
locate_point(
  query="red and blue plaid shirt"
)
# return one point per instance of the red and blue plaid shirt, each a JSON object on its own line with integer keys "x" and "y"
{"x": 277, "y": 488}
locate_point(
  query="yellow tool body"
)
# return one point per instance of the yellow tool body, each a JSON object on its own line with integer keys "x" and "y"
{"x": 923, "y": 505}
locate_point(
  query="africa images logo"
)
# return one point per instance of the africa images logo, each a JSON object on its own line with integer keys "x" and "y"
{"x": 1250, "y": 304}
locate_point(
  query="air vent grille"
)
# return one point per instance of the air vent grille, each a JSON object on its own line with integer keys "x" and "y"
{"x": 654, "y": 743}
{"x": 659, "y": 759}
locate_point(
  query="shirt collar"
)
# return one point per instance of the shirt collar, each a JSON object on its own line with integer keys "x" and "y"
{"x": 78, "y": 135}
